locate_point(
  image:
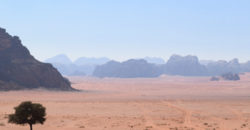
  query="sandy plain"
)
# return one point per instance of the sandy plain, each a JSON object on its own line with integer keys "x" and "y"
{"x": 165, "y": 103}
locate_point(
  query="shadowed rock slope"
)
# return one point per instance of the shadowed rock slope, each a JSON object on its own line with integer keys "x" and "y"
{"x": 19, "y": 70}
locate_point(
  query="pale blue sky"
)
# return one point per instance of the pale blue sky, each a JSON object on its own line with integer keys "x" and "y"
{"x": 123, "y": 29}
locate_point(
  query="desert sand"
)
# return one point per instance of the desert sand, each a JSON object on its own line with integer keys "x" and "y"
{"x": 164, "y": 103}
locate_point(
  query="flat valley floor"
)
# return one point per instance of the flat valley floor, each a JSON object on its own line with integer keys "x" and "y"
{"x": 164, "y": 103}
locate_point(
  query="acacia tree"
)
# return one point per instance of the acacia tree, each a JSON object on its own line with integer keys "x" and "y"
{"x": 28, "y": 113}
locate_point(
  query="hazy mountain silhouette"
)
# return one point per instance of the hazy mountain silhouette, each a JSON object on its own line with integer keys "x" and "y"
{"x": 82, "y": 66}
{"x": 91, "y": 61}
{"x": 186, "y": 66}
{"x": 65, "y": 66}
{"x": 176, "y": 65}
{"x": 20, "y": 70}
{"x": 221, "y": 67}
{"x": 154, "y": 60}
{"x": 128, "y": 69}
{"x": 60, "y": 59}
{"x": 245, "y": 67}
{"x": 71, "y": 69}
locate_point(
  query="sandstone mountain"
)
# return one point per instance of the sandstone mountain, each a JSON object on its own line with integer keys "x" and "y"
{"x": 185, "y": 66}
{"x": 176, "y": 65}
{"x": 128, "y": 69}
{"x": 20, "y": 70}
{"x": 59, "y": 59}
{"x": 221, "y": 67}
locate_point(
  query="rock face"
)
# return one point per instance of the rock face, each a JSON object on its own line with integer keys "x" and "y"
{"x": 186, "y": 66}
{"x": 221, "y": 67}
{"x": 128, "y": 69}
{"x": 20, "y": 70}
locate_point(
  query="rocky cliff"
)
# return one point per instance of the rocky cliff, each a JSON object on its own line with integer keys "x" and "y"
{"x": 186, "y": 66}
{"x": 20, "y": 70}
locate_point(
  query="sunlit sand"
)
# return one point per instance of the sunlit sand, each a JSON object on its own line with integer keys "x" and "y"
{"x": 168, "y": 102}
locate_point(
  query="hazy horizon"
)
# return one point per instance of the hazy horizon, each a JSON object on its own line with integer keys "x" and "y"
{"x": 74, "y": 59}
{"x": 120, "y": 30}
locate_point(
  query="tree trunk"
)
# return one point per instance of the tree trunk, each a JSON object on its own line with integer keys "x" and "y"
{"x": 30, "y": 126}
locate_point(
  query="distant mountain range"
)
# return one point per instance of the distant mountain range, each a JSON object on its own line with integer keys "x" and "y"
{"x": 85, "y": 65}
{"x": 91, "y": 61}
{"x": 80, "y": 67}
{"x": 146, "y": 67}
{"x": 128, "y": 69}
{"x": 176, "y": 65}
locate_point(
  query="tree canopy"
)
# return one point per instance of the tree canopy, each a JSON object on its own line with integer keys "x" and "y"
{"x": 28, "y": 113}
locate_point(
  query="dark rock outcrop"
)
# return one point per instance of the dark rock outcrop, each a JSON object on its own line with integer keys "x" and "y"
{"x": 214, "y": 78}
{"x": 20, "y": 70}
{"x": 128, "y": 69}
{"x": 230, "y": 76}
